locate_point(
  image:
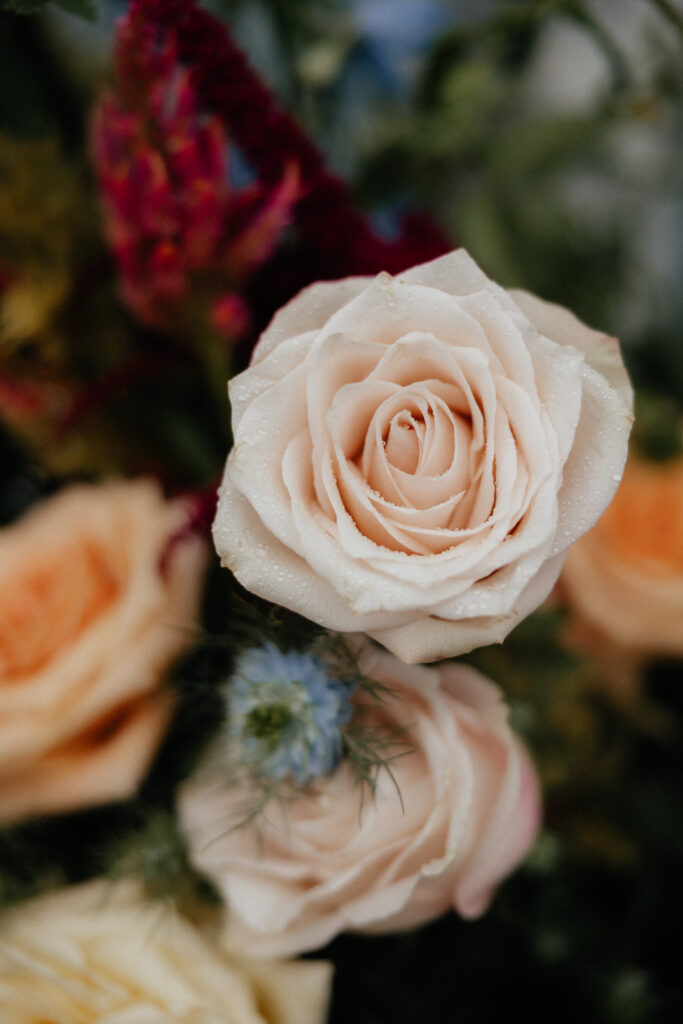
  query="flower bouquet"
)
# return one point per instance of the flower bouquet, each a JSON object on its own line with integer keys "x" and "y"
{"x": 342, "y": 605}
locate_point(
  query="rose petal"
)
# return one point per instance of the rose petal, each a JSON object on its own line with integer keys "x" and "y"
{"x": 424, "y": 444}
{"x": 466, "y": 815}
{"x": 308, "y": 311}
{"x": 429, "y": 639}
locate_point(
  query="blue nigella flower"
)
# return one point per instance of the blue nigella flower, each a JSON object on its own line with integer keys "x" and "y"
{"x": 286, "y": 713}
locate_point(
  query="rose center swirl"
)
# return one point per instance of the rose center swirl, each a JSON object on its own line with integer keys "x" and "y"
{"x": 418, "y": 476}
{"x": 51, "y": 605}
{"x": 419, "y": 434}
{"x": 405, "y": 442}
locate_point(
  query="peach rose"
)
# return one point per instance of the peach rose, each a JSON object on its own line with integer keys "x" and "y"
{"x": 414, "y": 455}
{"x": 625, "y": 577}
{"x": 466, "y": 815}
{"x": 90, "y": 622}
{"x": 102, "y": 954}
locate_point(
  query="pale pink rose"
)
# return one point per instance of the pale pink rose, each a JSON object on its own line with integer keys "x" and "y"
{"x": 625, "y": 578}
{"x": 320, "y": 864}
{"x": 103, "y": 954}
{"x": 90, "y": 621}
{"x": 414, "y": 455}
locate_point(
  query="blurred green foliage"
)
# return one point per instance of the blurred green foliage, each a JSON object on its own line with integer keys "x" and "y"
{"x": 560, "y": 200}
{"x": 83, "y": 8}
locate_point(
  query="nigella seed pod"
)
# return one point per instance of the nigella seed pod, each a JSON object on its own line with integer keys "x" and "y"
{"x": 286, "y": 714}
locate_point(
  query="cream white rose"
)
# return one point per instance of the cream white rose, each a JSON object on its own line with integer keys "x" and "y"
{"x": 102, "y": 954}
{"x": 90, "y": 620}
{"x": 414, "y": 455}
{"x": 461, "y": 815}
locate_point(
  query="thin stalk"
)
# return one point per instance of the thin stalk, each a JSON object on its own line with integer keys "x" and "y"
{"x": 671, "y": 12}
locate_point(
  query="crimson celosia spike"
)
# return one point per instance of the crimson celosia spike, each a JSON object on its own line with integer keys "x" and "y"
{"x": 160, "y": 144}
{"x": 260, "y": 235}
{"x": 215, "y": 151}
{"x": 341, "y": 238}
{"x": 230, "y": 316}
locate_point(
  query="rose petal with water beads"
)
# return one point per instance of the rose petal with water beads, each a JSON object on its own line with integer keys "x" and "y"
{"x": 453, "y": 437}
{"x": 337, "y": 364}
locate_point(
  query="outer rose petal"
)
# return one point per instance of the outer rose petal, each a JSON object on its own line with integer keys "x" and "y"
{"x": 412, "y": 455}
{"x": 88, "y": 774}
{"x": 467, "y": 813}
{"x": 592, "y": 478}
{"x": 307, "y": 311}
{"x": 430, "y": 639}
{"x": 560, "y": 325}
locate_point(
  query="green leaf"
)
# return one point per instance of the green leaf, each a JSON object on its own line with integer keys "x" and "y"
{"x": 542, "y": 144}
{"x": 23, "y": 6}
{"x": 86, "y": 9}
{"x": 82, "y": 8}
{"x": 658, "y": 430}
{"x": 24, "y": 111}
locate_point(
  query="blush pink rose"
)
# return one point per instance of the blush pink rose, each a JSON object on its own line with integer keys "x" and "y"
{"x": 414, "y": 455}
{"x": 466, "y": 815}
{"x": 625, "y": 577}
{"x": 90, "y": 621}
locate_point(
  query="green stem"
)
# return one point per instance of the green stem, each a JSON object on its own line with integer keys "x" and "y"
{"x": 674, "y": 15}
{"x": 618, "y": 63}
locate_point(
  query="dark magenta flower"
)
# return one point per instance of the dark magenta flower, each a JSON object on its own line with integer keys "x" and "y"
{"x": 177, "y": 227}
